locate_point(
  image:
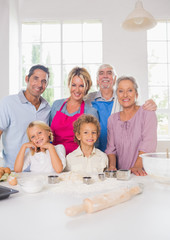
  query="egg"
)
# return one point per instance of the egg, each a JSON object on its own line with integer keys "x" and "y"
{"x": 12, "y": 180}
{"x": 2, "y": 171}
{"x": 7, "y": 170}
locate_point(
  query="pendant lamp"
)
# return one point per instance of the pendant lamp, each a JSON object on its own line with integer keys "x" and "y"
{"x": 139, "y": 19}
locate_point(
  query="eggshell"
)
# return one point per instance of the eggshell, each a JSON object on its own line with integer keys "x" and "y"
{"x": 12, "y": 180}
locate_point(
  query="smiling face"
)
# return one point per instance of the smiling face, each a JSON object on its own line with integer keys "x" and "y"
{"x": 106, "y": 79}
{"x": 37, "y": 83}
{"x": 126, "y": 93}
{"x": 38, "y": 135}
{"x": 77, "y": 88}
{"x": 88, "y": 134}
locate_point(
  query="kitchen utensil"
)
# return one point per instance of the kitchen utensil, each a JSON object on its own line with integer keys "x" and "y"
{"x": 5, "y": 192}
{"x": 87, "y": 180}
{"x": 110, "y": 173}
{"x": 101, "y": 176}
{"x": 123, "y": 174}
{"x": 52, "y": 179}
{"x": 97, "y": 203}
{"x": 32, "y": 184}
{"x": 157, "y": 165}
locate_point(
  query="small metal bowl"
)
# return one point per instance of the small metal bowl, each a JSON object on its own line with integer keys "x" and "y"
{"x": 110, "y": 173}
{"x": 101, "y": 176}
{"x": 123, "y": 174}
{"x": 52, "y": 179}
{"x": 87, "y": 180}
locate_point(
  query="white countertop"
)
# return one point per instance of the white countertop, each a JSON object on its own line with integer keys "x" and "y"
{"x": 41, "y": 215}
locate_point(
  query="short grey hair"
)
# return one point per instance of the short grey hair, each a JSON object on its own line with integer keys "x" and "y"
{"x": 132, "y": 79}
{"x": 103, "y": 66}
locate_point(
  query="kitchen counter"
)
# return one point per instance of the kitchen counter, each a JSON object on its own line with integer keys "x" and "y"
{"x": 41, "y": 215}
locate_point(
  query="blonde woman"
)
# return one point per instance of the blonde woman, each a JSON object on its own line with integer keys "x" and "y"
{"x": 43, "y": 156}
{"x": 65, "y": 111}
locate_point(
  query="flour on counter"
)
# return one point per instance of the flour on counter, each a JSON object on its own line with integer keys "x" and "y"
{"x": 72, "y": 183}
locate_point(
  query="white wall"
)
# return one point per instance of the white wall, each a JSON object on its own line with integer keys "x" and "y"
{"x": 13, "y": 47}
{"x": 4, "y": 47}
{"x": 8, "y": 46}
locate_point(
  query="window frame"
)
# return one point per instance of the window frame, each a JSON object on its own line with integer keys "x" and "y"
{"x": 166, "y": 64}
{"x": 62, "y": 64}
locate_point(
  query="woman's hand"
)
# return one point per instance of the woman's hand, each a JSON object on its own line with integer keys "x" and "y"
{"x": 150, "y": 105}
{"x": 138, "y": 171}
{"x": 112, "y": 168}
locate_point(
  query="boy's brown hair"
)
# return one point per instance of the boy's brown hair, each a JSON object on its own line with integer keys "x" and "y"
{"x": 85, "y": 118}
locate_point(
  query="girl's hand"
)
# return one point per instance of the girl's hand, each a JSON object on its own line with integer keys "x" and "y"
{"x": 46, "y": 146}
{"x": 30, "y": 145}
{"x": 138, "y": 171}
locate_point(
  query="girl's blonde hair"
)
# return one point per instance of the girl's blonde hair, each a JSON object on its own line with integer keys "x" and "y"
{"x": 85, "y": 118}
{"x": 42, "y": 125}
{"x": 83, "y": 74}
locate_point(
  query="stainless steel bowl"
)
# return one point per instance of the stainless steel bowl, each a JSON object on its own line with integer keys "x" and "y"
{"x": 52, "y": 179}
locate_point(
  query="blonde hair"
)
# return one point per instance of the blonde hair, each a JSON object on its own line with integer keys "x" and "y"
{"x": 85, "y": 118}
{"x": 83, "y": 74}
{"x": 42, "y": 125}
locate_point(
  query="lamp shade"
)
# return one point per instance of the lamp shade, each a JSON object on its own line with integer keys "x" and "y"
{"x": 139, "y": 19}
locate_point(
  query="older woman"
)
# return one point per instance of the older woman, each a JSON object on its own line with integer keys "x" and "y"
{"x": 105, "y": 100}
{"x": 65, "y": 111}
{"x": 132, "y": 131}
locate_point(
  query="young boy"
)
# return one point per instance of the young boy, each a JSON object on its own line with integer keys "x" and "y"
{"x": 86, "y": 159}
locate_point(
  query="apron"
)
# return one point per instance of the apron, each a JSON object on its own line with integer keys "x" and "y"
{"x": 104, "y": 111}
{"x": 62, "y": 127}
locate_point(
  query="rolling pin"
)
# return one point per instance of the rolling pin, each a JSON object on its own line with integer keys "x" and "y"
{"x": 106, "y": 200}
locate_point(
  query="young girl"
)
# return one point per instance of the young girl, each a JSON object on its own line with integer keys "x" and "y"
{"x": 43, "y": 157}
{"x": 86, "y": 158}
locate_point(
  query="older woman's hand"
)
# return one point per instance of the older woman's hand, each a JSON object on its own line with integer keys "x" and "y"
{"x": 150, "y": 105}
{"x": 138, "y": 171}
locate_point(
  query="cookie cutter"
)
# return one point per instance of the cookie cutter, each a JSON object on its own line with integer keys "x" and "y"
{"x": 123, "y": 174}
{"x": 52, "y": 179}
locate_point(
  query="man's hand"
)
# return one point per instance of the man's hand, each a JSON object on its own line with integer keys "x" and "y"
{"x": 150, "y": 105}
